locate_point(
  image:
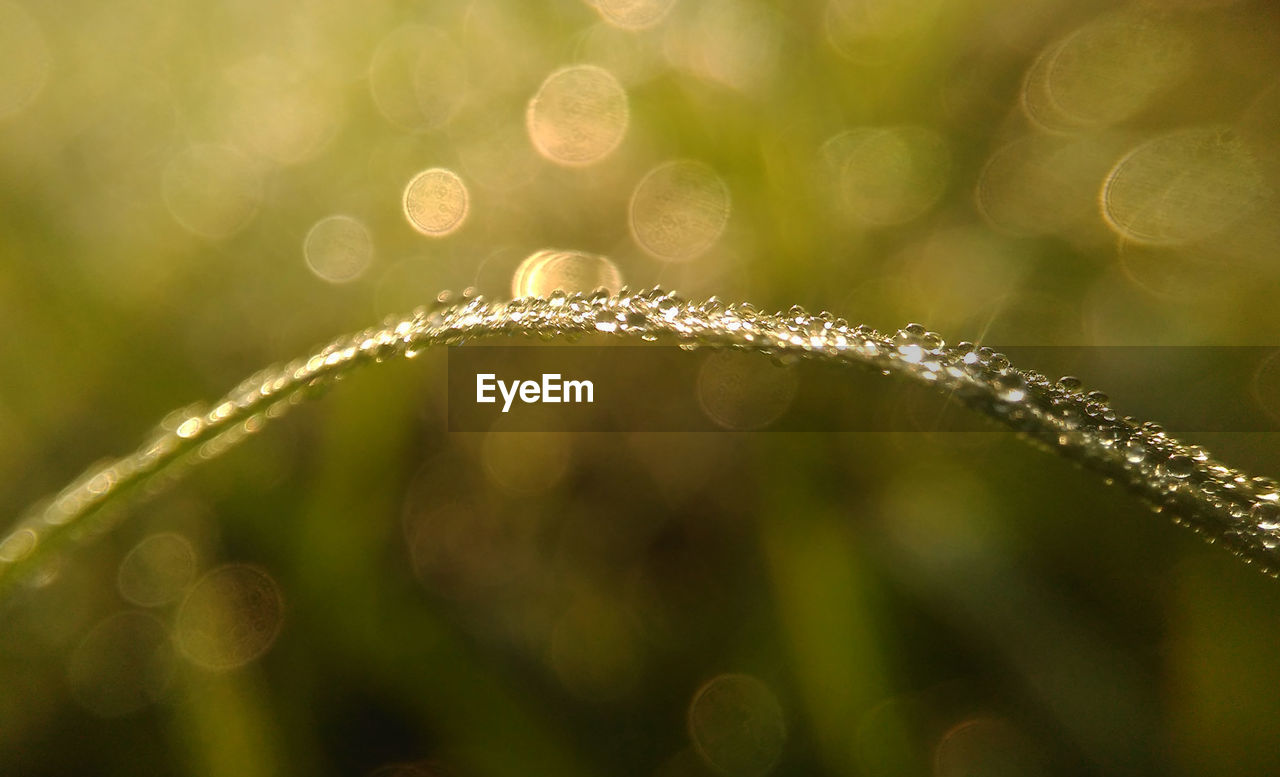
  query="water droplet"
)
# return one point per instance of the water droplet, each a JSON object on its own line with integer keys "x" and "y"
{"x": 607, "y": 321}
{"x": 1178, "y": 466}
{"x": 1265, "y": 515}
{"x": 1134, "y": 452}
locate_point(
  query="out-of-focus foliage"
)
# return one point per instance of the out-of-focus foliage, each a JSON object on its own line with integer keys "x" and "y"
{"x": 189, "y": 191}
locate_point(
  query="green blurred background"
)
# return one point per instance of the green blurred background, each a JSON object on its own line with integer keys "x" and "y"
{"x": 356, "y": 591}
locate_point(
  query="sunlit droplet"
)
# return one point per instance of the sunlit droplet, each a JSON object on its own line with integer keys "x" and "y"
{"x": 569, "y": 271}
{"x": 231, "y": 616}
{"x": 338, "y": 249}
{"x": 888, "y": 175}
{"x": 679, "y": 210}
{"x": 212, "y": 191}
{"x": 157, "y": 570}
{"x": 24, "y": 59}
{"x": 1039, "y": 184}
{"x": 1182, "y": 187}
{"x": 578, "y": 116}
{"x": 436, "y": 202}
{"x": 737, "y": 726}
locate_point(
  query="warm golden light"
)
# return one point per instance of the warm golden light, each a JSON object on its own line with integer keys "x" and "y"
{"x": 569, "y": 271}
{"x": 436, "y": 202}
{"x": 24, "y": 59}
{"x": 578, "y": 116}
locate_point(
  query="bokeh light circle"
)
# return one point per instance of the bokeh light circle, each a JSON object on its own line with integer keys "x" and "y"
{"x": 737, "y": 725}
{"x": 121, "y": 666}
{"x": 436, "y": 202}
{"x": 338, "y": 249}
{"x": 633, "y": 14}
{"x": 569, "y": 271}
{"x": 741, "y": 391}
{"x": 1182, "y": 187}
{"x": 157, "y": 570}
{"x": 212, "y": 191}
{"x": 231, "y": 617}
{"x": 888, "y": 175}
{"x": 578, "y": 116}
{"x": 418, "y": 77}
{"x": 679, "y": 210}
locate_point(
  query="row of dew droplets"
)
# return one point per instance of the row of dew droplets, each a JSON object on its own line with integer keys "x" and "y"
{"x": 1184, "y": 481}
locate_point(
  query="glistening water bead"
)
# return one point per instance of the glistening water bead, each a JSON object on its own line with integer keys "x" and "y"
{"x": 1225, "y": 505}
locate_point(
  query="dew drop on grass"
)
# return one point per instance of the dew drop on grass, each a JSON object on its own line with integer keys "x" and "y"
{"x": 338, "y": 249}
{"x": 1134, "y": 452}
{"x": 436, "y": 202}
{"x": 679, "y": 210}
{"x": 578, "y": 116}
